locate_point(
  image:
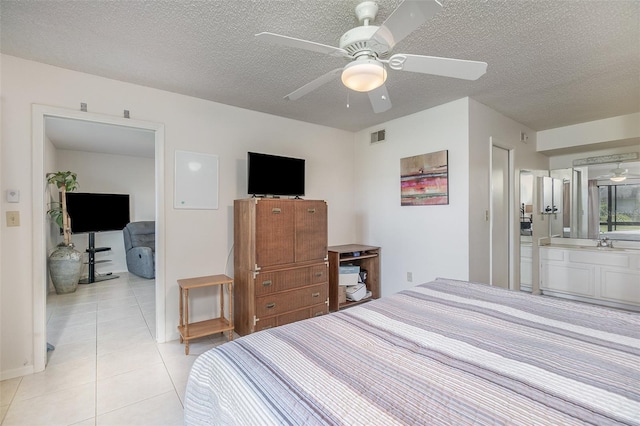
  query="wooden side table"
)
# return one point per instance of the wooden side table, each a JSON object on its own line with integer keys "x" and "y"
{"x": 194, "y": 330}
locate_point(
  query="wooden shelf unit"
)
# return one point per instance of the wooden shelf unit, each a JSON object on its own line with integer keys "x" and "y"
{"x": 368, "y": 259}
{"x": 194, "y": 330}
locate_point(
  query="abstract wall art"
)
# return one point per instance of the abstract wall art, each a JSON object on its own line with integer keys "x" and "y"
{"x": 424, "y": 179}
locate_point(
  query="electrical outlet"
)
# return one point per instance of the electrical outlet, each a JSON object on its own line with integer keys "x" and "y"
{"x": 13, "y": 218}
{"x": 410, "y": 277}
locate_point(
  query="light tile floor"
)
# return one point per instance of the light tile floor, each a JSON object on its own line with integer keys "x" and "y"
{"x": 107, "y": 368}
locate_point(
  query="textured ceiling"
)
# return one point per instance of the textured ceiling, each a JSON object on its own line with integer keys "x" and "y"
{"x": 551, "y": 63}
{"x": 81, "y": 135}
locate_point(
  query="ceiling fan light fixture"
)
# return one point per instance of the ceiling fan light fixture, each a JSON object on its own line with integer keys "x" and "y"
{"x": 618, "y": 178}
{"x": 364, "y": 75}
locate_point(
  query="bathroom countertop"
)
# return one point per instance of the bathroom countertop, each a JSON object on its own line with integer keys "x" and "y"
{"x": 593, "y": 247}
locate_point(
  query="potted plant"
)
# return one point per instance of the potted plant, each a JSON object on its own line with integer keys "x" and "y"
{"x": 65, "y": 263}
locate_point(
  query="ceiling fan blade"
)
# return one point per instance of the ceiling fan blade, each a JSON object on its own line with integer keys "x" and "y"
{"x": 380, "y": 99}
{"x": 313, "y": 85}
{"x": 446, "y": 67}
{"x": 301, "y": 44}
{"x": 404, "y": 20}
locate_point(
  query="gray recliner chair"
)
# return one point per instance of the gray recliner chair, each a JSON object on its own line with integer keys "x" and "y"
{"x": 140, "y": 248}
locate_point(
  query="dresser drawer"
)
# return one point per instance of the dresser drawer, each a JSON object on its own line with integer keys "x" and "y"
{"x": 319, "y": 273}
{"x": 273, "y": 282}
{"x": 299, "y": 315}
{"x": 266, "y": 323}
{"x": 302, "y": 314}
{"x": 279, "y": 303}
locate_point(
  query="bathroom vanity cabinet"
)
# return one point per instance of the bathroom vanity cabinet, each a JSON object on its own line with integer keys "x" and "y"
{"x": 598, "y": 275}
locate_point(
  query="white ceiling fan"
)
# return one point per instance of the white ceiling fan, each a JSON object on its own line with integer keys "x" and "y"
{"x": 618, "y": 174}
{"x": 367, "y": 45}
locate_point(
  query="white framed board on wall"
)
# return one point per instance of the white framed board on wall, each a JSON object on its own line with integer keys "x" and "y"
{"x": 196, "y": 181}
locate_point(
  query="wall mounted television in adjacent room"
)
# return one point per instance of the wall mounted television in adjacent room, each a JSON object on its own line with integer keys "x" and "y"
{"x": 274, "y": 175}
{"x": 91, "y": 212}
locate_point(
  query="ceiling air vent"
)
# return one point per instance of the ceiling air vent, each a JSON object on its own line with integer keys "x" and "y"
{"x": 378, "y": 136}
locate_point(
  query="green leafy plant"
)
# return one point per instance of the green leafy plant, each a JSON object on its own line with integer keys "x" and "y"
{"x": 65, "y": 182}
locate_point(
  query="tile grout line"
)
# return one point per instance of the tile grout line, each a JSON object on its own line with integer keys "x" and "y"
{"x": 164, "y": 357}
{"x": 144, "y": 316}
{"x": 173, "y": 383}
{"x": 164, "y": 363}
{"x": 95, "y": 395}
{"x": 13, "y": 397}
{"x": 159, "y": 353}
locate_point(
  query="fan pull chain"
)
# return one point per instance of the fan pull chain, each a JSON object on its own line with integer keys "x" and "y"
{"x": 347, "y": 98}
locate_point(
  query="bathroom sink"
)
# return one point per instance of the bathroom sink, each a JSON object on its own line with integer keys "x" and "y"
{"x": 602, "y": 248}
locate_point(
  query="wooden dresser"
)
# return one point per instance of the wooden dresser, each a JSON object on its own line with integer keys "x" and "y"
{"x": 281, "y": 268}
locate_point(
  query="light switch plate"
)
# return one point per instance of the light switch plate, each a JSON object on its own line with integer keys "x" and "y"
{"x": 13, "y": 196}
{"x": 13, "y": 218}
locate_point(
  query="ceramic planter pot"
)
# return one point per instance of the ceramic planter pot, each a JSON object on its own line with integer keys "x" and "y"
{"x": 65, "y": 266}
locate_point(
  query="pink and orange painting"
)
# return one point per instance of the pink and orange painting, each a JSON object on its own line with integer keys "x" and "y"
{"x": 424, "y": 179}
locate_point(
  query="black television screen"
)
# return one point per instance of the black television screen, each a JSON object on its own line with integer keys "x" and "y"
{"x": 91, "y": 212}
{"x": 274, "y": 175}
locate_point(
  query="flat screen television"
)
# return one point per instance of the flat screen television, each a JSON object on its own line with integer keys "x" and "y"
{"x": 90, "y": 212}
{"x": 274, "y": 175}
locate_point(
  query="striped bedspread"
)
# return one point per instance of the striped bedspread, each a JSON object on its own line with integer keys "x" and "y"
{"x": 445, "y": 352}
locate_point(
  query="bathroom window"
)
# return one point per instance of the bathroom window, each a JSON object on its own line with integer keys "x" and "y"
{"x": 619, "y": 208}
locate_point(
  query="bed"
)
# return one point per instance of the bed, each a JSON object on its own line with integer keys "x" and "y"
{"x": 445, "y": 352}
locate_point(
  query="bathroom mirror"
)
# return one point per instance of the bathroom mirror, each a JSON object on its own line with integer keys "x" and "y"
{"x": 546, "y": 204}
{"x": 601, "y": 200}
{"x": 526, "y": 230}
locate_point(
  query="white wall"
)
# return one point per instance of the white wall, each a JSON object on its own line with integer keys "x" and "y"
{"x": 429, "y": 241}
{"x": 487, "y": 126}
{"x": 594, "y": 133}
{"x": 52, "y": 238}
{"x": 198, "y": 242}
{"x": 450, "y": 241}
{"x": 116, "y": 174}
{"x": 359, "y": 181}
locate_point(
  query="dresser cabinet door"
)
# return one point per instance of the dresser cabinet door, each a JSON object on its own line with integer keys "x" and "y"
{"x": 275, "y": 232}
{"x": 311, "y": 231}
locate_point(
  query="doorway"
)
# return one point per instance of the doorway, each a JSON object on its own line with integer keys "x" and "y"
{"x": 39, "y": 114}
{"x": 500, "y": 217}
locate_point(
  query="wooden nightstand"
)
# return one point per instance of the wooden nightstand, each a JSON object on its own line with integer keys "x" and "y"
{"x": 212, "y": 326}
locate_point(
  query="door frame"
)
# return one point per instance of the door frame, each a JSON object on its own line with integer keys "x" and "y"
{"x": 39, "y": 255}
{"x": 511, "y": 210}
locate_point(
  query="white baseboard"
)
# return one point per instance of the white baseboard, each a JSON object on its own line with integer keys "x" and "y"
{"x": 171, "y": 337}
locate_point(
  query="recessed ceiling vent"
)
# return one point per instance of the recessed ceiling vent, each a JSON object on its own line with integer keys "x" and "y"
{"x": 379, "y": 136}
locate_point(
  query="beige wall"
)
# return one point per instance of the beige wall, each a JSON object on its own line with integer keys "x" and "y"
{"x": 598, "y": 134}
{"x": 486, "y": 127}
{"x": 198, "y": 242}
{"x": 438, "y": 241}
{"x": 359, "y": 181}
{"x": 117, "y": 174}
{"x": 428, "y": 241}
